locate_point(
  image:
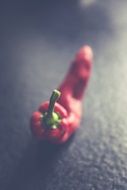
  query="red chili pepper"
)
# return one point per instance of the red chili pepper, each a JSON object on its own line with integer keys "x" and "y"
{"x": 56, "y": 122}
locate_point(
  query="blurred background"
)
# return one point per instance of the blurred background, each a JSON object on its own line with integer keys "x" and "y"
{"x": 38, "y": 40}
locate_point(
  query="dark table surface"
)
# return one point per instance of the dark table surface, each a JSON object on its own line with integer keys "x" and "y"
{"x": 38, "y": 39}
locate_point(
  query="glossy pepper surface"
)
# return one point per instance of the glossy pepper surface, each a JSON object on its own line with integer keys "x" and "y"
{"x": 57, "y": 121}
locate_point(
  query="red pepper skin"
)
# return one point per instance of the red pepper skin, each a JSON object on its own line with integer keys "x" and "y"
{"x": 69, "y": 105}
{"x": 36, "y": 125}
{"x": 73, "y": 87}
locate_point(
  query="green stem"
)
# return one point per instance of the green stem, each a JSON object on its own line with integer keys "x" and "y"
{"x": 54, "y": 97}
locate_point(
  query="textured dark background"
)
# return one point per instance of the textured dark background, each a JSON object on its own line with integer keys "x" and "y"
{"x": 38, "y": 39}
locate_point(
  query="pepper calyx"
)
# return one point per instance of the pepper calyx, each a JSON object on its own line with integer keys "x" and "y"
{"x": 50, "y": 118}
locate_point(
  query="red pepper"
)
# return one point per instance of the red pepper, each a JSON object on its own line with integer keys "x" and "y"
{"x": 56, "y": 122}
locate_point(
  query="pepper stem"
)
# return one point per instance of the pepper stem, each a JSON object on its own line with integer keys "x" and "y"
{"x": 54, "y": 97}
